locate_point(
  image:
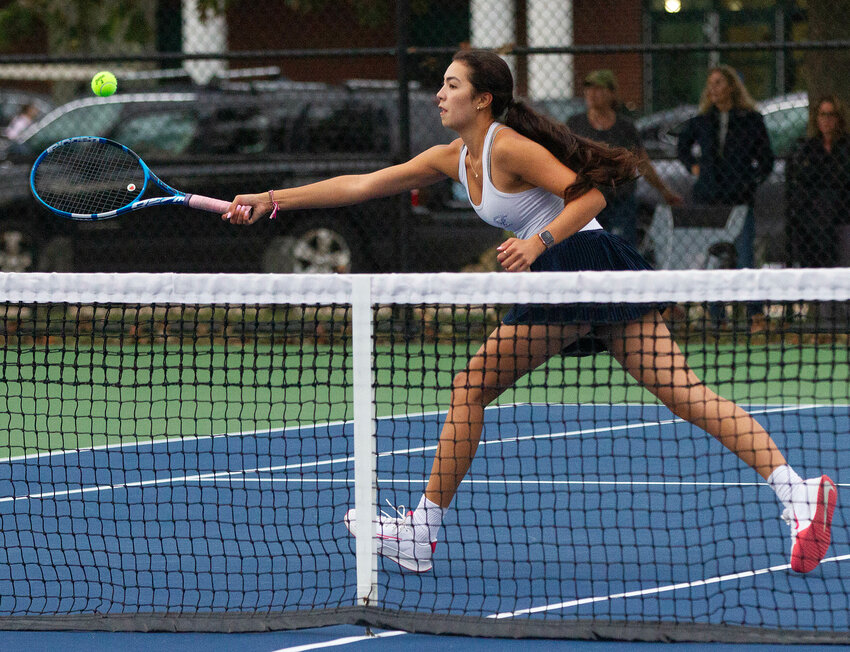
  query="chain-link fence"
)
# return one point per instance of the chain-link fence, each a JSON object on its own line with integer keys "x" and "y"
{"x": 222, "y": 97}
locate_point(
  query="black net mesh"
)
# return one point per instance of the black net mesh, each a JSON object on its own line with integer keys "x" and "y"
{"x": 181, "y": 447}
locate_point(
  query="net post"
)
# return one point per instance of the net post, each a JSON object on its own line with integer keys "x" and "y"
{"x": 365, "y": 480}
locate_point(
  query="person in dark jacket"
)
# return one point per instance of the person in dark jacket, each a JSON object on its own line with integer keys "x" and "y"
{"x": 818, "y": 187}
{"x": 726, "y": 147}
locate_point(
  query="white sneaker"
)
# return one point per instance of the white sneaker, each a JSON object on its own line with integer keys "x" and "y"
{"x": 396, "y": 541}
{"x": 811, "y": 524}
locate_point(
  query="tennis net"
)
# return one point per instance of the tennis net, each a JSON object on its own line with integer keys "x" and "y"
{"x": 179, "y": 451}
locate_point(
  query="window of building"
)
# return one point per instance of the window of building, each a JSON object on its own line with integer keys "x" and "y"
{"x": 678, "y": 78}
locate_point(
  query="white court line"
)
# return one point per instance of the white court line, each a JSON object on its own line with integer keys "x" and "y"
{"x": 339, "y": 641}
{"x": 590, "y": 431}
{"x": 300, "y": 466}
{"x": 579, "y": 602}
{"x": 655, "y": 590}
{"x": 159, "y": 441}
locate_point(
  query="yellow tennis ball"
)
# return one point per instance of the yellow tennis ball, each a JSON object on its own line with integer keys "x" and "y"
{"x": 104, "y": 83}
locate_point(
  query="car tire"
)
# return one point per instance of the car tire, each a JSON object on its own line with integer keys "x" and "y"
{"x": 315, "y": 247}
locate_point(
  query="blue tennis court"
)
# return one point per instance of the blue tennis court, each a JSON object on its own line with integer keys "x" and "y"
{"x": 613, "y": 512}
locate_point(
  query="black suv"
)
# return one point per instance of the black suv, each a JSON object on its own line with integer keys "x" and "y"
{"x": 219, "y": 142}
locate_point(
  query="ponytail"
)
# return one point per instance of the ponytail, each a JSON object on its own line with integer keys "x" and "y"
{"x": 596, "y": 165}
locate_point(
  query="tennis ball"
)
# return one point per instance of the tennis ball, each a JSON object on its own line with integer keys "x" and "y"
{"x": 104, "y": 84}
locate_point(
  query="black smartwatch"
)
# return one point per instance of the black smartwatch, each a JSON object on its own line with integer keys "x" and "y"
{"x": 546, "y": 238}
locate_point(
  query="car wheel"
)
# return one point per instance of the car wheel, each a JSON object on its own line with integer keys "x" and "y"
{"x": 317, "y": 248}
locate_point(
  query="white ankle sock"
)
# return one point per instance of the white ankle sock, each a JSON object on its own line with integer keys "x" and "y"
{"x": 430, "y": 515}
{"x": 783, "y": 481}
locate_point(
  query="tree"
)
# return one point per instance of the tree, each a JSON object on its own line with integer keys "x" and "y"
{"x": 95, "y": 26}
{"x": 80, "y": 26}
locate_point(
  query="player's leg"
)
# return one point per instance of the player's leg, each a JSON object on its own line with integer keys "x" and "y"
{"x": 509, "y": 353}
{"x": 648, "y": 352}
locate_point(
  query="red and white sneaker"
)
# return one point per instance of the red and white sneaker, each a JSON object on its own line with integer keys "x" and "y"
{"x": 811, "y": 524}
{"x": 396, "y": 541}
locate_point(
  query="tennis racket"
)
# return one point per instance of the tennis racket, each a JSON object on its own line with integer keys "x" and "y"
{"x": 89, "y": 178}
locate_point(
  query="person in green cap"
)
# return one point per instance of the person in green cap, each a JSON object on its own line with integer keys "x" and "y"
{"x": 603, "y": 123}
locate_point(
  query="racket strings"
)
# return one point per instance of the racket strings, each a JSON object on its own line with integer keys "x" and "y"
{"x": 88, "y": 177}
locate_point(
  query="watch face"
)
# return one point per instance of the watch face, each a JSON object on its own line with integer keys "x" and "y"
{"x": 547, "y": 238}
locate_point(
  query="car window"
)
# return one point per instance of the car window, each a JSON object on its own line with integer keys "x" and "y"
{"x": 346, "y": 127}
{"x": 235, "y": 130}
{"x": 158, "y": 132}
{"x": 785, "y": 127}
{"x": 91, "y": 120}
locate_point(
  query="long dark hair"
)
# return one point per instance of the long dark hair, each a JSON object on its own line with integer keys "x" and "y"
{"x": 594, "y": 163}
{"x": 812, "y": 130}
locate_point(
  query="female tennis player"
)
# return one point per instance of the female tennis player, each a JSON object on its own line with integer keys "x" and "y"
{"x": 531, "y": 175}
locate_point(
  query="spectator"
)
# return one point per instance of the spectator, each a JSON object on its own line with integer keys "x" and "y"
{"x": 24, "y": 119}
{"x": 726, "y": 147}
{"x": 603, "y": 123}
{"x": 818, "y": 187}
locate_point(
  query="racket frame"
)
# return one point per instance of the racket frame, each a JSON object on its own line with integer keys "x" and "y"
{"x": 175, "y": 196}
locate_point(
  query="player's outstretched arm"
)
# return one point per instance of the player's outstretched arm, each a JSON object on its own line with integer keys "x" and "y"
{"x": 428, "y": 167}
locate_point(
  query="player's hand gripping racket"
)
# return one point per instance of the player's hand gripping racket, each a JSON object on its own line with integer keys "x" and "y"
{"x": 90, "y": 178}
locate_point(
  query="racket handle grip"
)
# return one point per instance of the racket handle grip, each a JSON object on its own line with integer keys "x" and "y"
{"x": 207, "y": 203}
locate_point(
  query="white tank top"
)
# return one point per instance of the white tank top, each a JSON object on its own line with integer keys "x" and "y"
{"x": 525, "y": 213}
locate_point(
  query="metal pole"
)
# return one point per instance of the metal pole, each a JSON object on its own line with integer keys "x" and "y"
{"x": 365, "y": 481}
{"x": 403, "y": 154}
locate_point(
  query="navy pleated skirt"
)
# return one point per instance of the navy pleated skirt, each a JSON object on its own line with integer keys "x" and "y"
{"x": 596, "y": 250}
